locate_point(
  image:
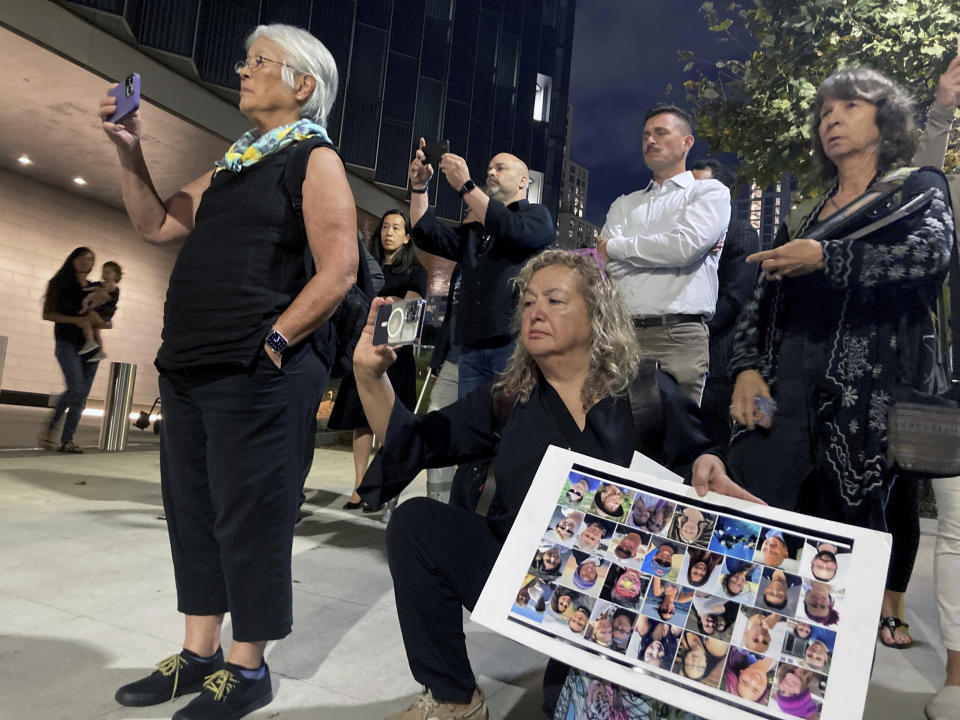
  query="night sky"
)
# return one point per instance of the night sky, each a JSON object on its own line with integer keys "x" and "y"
{"x": 624, "y": 56}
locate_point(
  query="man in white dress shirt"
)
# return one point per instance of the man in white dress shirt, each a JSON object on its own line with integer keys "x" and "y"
{"x": 662, "y": 247}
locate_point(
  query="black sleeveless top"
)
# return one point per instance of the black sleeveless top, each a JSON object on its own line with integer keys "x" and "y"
{"x": 239, "y": 268}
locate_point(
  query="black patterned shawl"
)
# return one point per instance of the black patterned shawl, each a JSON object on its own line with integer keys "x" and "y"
{"x": 881, "y": 338}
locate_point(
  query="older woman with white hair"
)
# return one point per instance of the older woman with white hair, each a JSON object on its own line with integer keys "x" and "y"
{"x": 243, "y": 362}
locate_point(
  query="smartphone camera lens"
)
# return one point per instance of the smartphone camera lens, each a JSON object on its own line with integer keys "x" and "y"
{"x": 129, "y": 87}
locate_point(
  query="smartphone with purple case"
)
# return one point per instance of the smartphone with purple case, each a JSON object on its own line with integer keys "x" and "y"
{"x": 127, "y": 94}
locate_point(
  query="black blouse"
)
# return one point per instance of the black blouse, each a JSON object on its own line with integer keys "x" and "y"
{"x": 469, "y": 429}
{"x": 397, "y": 283}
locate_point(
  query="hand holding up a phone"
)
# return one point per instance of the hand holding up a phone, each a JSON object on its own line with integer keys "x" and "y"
{"x": 125, "y": 133}
{"x": 420, "y": 170}
{"x": 371, "y": 361}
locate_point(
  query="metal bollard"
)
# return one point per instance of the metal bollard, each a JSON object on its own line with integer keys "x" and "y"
{"x": 116, "y": 408}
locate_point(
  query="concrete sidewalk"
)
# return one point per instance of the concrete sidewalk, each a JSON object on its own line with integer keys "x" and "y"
{"x": 87, "y": 600}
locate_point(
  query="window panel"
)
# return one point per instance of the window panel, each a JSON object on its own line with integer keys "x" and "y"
{"x": 375, "y": 12}
{"x": 429, "y": 110}
{"x": 360, "y": 130}
{"x": 406, "y": 32}
{"x": 436, "y": 48}
{"x": 284, "y": 11}
{"x": 393, "y": 157}
{"x": 366, "y": 70}
{"x": 503, "y": 116}
{"x": 507, "y": 60}
{"x": 400, "y": 91}
{"x": 466, "y": 17}
{"x": 478, "y": 151}
{"x": 460, "y": 80}
{"x": 483, "y": 93}
{"x": 221, "y": 29}
{"x": 439, "y": 8}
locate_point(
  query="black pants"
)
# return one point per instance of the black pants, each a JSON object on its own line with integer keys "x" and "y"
{"x": 440, "y": 557}
{"x": 778, "y": 466}
{"x": 715, "y": 407}
{"x": 232, "y": 454}
{"x": 902, "y": 514}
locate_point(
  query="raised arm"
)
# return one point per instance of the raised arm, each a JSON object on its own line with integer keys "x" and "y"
{"x": 419, "y": 174}
{"x": 156, "y": 220}
{"x": 370, "y": 363}
{"x": 933, "y": 143}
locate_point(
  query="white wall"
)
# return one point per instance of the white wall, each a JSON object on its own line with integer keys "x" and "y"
{"x": 39, "y": 226}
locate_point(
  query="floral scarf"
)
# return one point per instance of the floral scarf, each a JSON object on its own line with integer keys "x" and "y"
{"x": 250, "y": 148}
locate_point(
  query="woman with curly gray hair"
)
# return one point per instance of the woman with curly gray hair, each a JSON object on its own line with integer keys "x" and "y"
{"x": 840, "y": 323}
{"x": 566, "y": 384}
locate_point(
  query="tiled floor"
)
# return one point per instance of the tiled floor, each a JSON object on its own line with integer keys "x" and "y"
{"x": 87, "y": 602}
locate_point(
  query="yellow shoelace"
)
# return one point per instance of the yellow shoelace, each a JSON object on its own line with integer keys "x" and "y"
{"x": 220, "y": 683}
{"x": 171, "y": 666}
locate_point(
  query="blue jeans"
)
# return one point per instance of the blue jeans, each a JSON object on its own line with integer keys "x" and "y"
{"x": 78, "y": 376}
{"x": 480, "y": 366}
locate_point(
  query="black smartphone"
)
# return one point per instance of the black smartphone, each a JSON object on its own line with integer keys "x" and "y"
{"x": 399, "y": 323}
{"x": 433, "y": 151}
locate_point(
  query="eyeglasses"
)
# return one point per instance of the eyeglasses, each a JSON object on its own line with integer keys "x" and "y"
{"x": 257, "y": 61}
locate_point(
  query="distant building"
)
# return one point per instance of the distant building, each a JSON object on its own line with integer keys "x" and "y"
{"x": 572, "y": 230}
{"x": 767, "y": 208}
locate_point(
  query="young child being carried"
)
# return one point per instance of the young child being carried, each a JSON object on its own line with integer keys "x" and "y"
{"x": 99, "y": 306}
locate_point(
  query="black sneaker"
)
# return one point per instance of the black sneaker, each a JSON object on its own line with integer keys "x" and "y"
{"x": 177, "y": 675}
{"x": 227, "y": 695}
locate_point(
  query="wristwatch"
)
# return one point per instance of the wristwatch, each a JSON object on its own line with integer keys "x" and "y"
{"x": 276, "y": 342}
{"x": 467, "y": 187}
{"x": 421, "y": 190}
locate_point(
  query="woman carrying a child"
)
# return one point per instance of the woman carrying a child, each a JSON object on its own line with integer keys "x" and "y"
{"x": 61, "y": 306}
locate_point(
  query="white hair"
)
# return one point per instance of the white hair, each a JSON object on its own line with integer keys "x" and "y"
{"x": 306, "y": 55}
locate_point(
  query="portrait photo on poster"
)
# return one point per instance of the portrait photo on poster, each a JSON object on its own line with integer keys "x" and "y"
{"x": 717, "y": 606}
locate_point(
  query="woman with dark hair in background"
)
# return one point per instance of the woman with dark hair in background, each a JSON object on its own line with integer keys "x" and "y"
{"x": 404, "y": 278}
{"x": 838, "y": 328}
{"x": 61, "y": 305}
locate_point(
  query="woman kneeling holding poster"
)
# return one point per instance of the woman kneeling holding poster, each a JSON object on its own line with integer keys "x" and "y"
{"x": 570, "y": 382}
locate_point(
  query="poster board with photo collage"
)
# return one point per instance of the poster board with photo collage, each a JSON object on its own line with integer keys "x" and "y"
{"x": 718, "y": 606}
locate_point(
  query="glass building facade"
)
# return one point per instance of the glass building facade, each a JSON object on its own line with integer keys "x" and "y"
{"x": 488, "y": 75}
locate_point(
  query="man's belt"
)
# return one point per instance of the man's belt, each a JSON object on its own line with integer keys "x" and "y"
{"x": 661, "y": 320}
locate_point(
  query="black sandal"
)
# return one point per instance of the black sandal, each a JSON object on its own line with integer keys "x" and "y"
{"x": 69, "y": 447}
{"x": 892, "y": 624}
{"x": 350, "y": 505}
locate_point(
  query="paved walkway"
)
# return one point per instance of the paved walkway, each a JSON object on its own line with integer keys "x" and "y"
{"x": 87, "y": 601}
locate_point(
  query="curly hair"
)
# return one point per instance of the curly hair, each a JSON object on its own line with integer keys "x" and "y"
{"x": 898, "y": 133}
{"x": 614, "y": 352}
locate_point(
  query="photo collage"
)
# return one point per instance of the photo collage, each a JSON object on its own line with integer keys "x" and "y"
{"x": 728, "y": 602}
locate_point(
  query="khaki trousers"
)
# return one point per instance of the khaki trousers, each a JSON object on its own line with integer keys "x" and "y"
{"x": 683, "y": 350}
